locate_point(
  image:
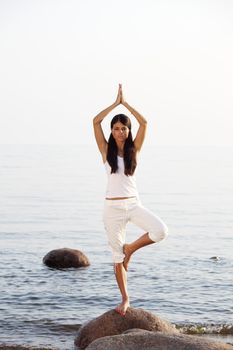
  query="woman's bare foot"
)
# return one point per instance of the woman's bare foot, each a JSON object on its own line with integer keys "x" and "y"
{"x": 122, "y": 308}
{"x": 128, "y": 252}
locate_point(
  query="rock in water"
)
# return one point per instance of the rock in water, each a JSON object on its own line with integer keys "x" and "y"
{"x": 65, "y": 257}
{"x": 111, "y": 323}
{"x": 215, "y": 258}
{"x": 139, "y": 339}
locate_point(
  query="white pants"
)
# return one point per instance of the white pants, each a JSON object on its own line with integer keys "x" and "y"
{"x": 117, "y": 213}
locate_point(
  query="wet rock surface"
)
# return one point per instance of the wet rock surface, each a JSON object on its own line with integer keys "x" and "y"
{"x": 146, "y": 340}
{"x": 111, "y": 323}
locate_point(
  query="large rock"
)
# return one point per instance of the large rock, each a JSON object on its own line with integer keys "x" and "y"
{"x": 138, "y": 340}
{"x": 111, "y": 323}
{"x": 65, "y": 257}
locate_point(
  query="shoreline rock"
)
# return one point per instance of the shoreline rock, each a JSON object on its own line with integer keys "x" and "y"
{"x": 147, "y": 340}
{"x": 111, "y": 323}
{"x": 137, "y": 330}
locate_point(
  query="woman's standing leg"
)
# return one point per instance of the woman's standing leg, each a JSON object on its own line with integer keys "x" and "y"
{"x": 115, "y": 222}
{"x": 121, "y": 277}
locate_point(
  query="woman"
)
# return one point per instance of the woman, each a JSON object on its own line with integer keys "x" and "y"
{"x": 122, "y": 202}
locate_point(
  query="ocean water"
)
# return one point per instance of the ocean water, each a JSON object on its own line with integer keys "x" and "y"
{"x": 52, "y": 197}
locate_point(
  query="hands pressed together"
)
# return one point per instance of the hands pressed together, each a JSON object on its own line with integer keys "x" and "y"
{"x": 120, "y": 98}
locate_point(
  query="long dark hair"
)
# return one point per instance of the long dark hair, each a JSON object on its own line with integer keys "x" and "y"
{"x": 129, "y": 148}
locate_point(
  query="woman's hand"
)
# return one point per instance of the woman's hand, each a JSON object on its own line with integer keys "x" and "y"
{"x": 121, "y": 95}
{"x": 118, "y": 99}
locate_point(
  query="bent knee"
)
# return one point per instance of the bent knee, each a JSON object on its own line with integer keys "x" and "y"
{"x": 165, "y": 232}
{"x": 158, "y": 235}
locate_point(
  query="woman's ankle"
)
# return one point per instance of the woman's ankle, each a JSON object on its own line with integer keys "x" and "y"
{"x": 125, "y": 299}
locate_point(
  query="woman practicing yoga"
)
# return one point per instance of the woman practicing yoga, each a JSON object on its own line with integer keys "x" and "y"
{"x": 122, "y": 202}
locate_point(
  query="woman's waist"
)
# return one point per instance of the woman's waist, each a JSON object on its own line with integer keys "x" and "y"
{"x": 121, "y": 190}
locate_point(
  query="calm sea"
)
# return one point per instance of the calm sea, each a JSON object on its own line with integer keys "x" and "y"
{"x": 52, "y": 197}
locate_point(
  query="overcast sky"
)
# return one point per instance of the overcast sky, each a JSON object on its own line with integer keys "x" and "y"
{"x": 61, "y": 62}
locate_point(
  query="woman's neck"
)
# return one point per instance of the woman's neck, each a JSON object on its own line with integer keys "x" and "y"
{"x": 120, "y": 147}
{"x": 120, "y": 151}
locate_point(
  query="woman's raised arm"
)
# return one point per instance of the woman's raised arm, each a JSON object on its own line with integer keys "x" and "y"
{"x": 99, "y": 135}
{"x": 141, "y": 133}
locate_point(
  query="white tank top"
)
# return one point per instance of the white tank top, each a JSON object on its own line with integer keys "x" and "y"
{"x": 119, "y": 184}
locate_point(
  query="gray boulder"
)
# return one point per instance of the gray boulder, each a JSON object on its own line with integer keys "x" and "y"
{"x": 65, "y": 258}
{"x": 111, "y": 323}
{"x": 146, "y": 340}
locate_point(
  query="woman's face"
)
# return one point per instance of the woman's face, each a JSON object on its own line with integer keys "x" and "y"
{"x": 120, "y": 132}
